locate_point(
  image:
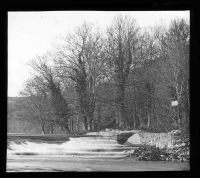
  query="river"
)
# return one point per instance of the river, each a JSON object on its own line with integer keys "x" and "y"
{"x": 89, "y": 153}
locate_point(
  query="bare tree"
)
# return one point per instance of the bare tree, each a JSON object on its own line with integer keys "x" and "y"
{"x": 82, "y": 61}
{"x": 128, "y": 71}
{"x": 36, "y": 103}
{"x": 174, "y": 49}
{"x": 59, "y": 105}
{"x": 121, "y": 50}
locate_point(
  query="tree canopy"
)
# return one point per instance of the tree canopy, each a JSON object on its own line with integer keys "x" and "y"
{"x": 123, "y": 78}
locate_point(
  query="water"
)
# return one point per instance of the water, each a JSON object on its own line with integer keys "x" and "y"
{"x": 77, "y": 154}
{"x": 75, "y": 147}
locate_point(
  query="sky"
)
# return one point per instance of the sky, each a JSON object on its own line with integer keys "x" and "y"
{"x": 34, "y": 33}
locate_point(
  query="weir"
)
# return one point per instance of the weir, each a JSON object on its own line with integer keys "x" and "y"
{"x": 85, "y": 147}
{"x": 86, "y": 153}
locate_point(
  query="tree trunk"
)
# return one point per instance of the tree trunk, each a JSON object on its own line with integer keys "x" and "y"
{"x": 121, "y": 116}
{"x": 122, "y": 121}
{"x": 71, "y": 126}
{"x": 67, "y": 128}
{"x": 134, "y": 115}
{"x": 91, "y": 124}
{"x": 156, "y": 116}
{"x": 51, "y": 128}
{"x": 78, "y": 124}
{"x": 141, "y": 123}
{"x": 66, "y": 125}
{"x": 134, "y": 121}
{"x": 117, "y": 116}
{"x": 149, "y": 120}
{"x": 149, "y": 115}
{"x": 140, "y": 120}
{"x": 91, "y": 118}
{"x": 85, "y": 122}
{"x": 43, "y": 129}
{"x": 42, "y": 125}
{"x": 98, "y": 117}
{"x": 134, "y": 109}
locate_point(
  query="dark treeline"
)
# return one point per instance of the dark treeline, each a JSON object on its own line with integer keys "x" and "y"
{"x": 123, "y": 78}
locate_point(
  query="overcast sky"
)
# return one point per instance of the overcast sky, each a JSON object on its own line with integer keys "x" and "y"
{"x": 34, "y": 33}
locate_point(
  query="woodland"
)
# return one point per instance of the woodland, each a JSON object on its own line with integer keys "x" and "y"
{"x": 122, "y": 78}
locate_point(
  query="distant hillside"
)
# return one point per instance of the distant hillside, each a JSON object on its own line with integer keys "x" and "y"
{"x": 14, "y": 99}
{"x": 12, "y": 103}
{"x": 16, "y": 122}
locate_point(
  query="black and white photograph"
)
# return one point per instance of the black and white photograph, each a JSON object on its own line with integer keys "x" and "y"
{"x": 92, "y": 91}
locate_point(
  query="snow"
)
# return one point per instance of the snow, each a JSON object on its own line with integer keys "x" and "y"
{"x": 111, "y": 133}
{"x": 174, "y": 103}
{"x": 135, "y": 139}
{"x": 161, "y": 140}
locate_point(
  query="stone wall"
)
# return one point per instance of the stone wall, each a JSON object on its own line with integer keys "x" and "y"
{"x": 160, "y": 140}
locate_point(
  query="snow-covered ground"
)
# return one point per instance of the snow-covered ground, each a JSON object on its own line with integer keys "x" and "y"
{"x": 112, "y": 133}
{"x": 161, "y": 140}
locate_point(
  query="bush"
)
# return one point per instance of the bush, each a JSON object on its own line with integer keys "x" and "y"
{"x": 123, "y": 137}
{"x": 156, "y": 154}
